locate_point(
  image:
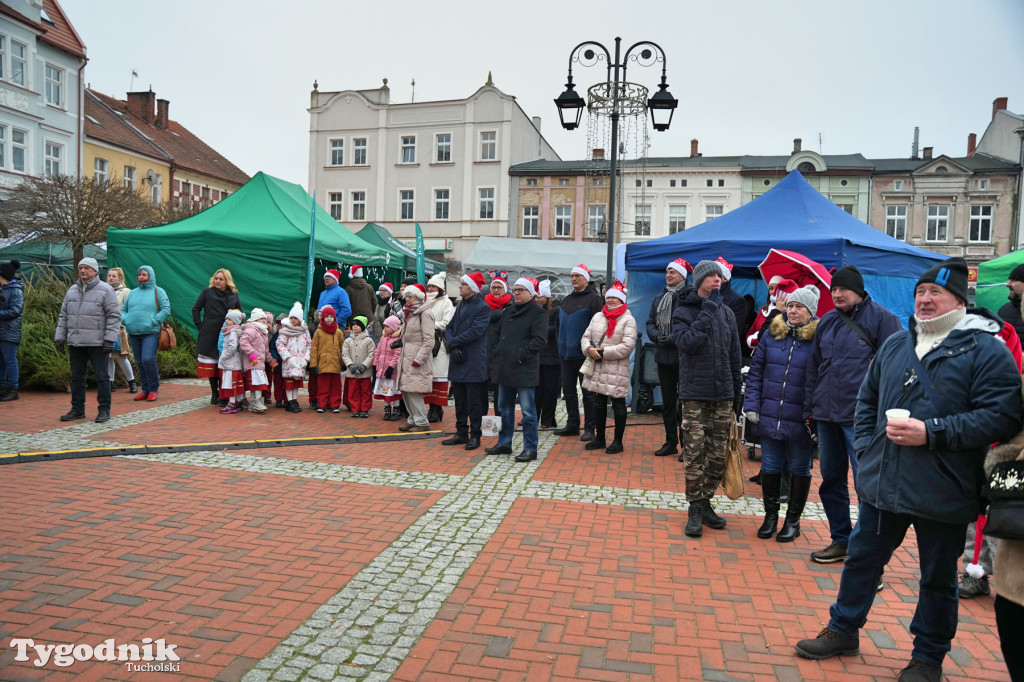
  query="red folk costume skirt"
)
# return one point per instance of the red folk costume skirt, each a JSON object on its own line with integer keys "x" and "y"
{"x": 207, "y": 367}
{"x": 231, "y": 384}
{"x": 438, "y": 394}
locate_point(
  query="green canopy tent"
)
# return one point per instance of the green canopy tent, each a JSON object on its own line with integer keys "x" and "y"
{"x": 991, "y": 289}
{"x": 403, "y": 258}
{"x": 39, "y": 254}
{"x": 260, "y": 233}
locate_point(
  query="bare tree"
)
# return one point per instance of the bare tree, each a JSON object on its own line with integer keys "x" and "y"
{"x": 170, "y": 212}
{"x": 77, "y": 211}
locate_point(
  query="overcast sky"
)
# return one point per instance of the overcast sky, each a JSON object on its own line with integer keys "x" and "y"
{"x": 749, "y": 76}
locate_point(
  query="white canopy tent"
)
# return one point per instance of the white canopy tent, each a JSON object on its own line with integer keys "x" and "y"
{"x": 538, "y": 258}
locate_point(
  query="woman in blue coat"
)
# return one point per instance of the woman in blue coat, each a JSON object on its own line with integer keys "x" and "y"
{"x": 142, "y": 314}
{"x": 773, "y": 400}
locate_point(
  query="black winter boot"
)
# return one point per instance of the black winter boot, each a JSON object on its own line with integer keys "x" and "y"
{"x": 784, "y": 489}
{"x": 598, "y": 442}
{"x": 133, "y": 386}
{"x": 214, "y": 391}
{"x": 770, "y": 484}
{"x": 615, "y": 446}
{"x": 387, "y": 413}
{"x": 696, "y": 520}
{"x": 799, "y": 487}
{"x": 711, "y": 519}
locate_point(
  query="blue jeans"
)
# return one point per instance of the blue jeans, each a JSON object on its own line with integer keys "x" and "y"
{"x": 9, "y": 364}
{"x": 144, "y": 348}
{"x": 836, "y": 455}
{"x": 874, "y": 539}
{"x": 776, "y": 454}
{"x": 507, "y": 403}
{"x": 80, "y": 357}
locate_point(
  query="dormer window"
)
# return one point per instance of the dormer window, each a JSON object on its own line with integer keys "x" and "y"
{"x": 941, "y": 169}
{"x": 806, "y": 167}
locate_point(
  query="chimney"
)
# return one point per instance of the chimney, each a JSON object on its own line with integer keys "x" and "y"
{"x": 142, "y": 105}
{"x": 917, "y": 140}
{"x": 972, "y": 143}
{"x": 161, "y": 113}
{"x": 693, "y": 148}
{"x": 797, "y": 144}
{"x": 597, "y": 155}
{"x": 999, "y": 104}
{"x": 928, "y": 152}
{"x": 536, "y": 123}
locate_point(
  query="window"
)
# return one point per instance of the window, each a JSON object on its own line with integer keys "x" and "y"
{"x": 806, "y": 167}
{"x": 721, "y": 183}
{"x": 408, "y": 149}
{"x": 444, "y": 148}
{"x": 711, "y": 183}
{"x": 676, "y": 219}
{"x": 846, "y": 207}
{"x": 671, "y": 183}
{"x": 406, "y": 202}
{"x": 642, "y": 222}
{"x": 766, "y": 182}
{"x": 982, "y": 184}
{"x": 129, "y": 181}
{"x": 563, "y": 182}
{"x": 650, "y": 183}
{"x": 712, "y": 212}
{"x": 358, "y": 205}
{"x": 54, "y": 81}
{"x": 53, "y": 154}
{"x": 3, "y": 55}
{"x": 531, "y": 221}
{"x": 488, "y": 146}
{"x": 599, "y": 182}
{"x": 337, "y": 152}
{"x": 359, "y": 151}
{"x": 595, "y": 220}
{"x": 981, "y": 224}
{"x": 938, "y": 223}
{"x": 101, "y": 170}
{"x": 563, "y": 221}
{"x": 154, "y": 190}
{"x": 442, "y": 198}
{"x": 334, "y": 204}
{"x": 18, "y": 61}
{"x": 531, "y": 182}
{"x": 184, "y": 196}
{"x": 682, "y": 183}
{"x": 897, "y": 185}
{"x": 639, "y": 183}
{"x": 896, "y": 222}
{"x": 19, "y": 145}
{"x": 206, "y": 196}
{"x": 487, "y": 203}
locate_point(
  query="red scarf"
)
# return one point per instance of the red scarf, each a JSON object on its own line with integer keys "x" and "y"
{"x": 497, "y": 302}
{"x": 329, "y": 328}
{"x": 613, "y": 317}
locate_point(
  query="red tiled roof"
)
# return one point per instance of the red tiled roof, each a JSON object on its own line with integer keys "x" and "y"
{"x": 62, "y": 34}
{"x": 175, "y": 142}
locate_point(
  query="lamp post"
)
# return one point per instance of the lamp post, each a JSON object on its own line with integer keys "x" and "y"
{"x": 616, "y": 97}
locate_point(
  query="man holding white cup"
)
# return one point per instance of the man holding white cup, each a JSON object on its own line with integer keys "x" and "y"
{"x": 947, "y": 388}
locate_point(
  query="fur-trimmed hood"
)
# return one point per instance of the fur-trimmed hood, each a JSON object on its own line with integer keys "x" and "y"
{"x": 1004, "y": 452}
{"x": 780, "y": 328}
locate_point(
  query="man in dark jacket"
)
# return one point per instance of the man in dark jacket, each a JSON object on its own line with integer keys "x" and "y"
{"x": 963, "y": 392}
{"x": 466, "y": 338}
{"x": 88, "y": 325}
{"x": 739, "y": 306}
{"x": 582, "y": 303}
{"x": 666, "y": 356}
{"x": 1010, "y": 312}
{"x": 840, "y": 356}
{"x": 361, "y": 295}
{"x": 710, "y": 389}
{"x": 522, "y": 333}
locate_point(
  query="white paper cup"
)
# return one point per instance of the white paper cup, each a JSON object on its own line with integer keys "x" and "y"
{"x": 896, "y": 415}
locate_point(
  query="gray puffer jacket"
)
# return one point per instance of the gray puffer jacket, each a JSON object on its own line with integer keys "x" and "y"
{"x": 89, "y": 315}
{"x": 611, "y": 372}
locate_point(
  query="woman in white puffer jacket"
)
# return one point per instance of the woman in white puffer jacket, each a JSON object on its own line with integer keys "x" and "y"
{"x": 608, "y": 343}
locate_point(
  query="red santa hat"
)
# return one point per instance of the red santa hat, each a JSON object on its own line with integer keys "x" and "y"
{"x": 529, "y": 284}
{"x": 582, "y": 269}
{"x": 385, "y": 288}
{"x": 335, "y": 274}
{"x": 417, "y": 290}
{"x": 682, "y": 266}
{"x": 474, "y": 280}
{"x": 786, "y": 286}
{"x": 618, "y": 291}
{"x": 355, "y": 271}
{"x": 725, "y": 267}
{"x": 502, "y": 282}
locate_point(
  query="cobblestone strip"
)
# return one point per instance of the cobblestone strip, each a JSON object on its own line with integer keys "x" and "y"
{"x": 324, "y": 471}
{"x": 366, "y": 630}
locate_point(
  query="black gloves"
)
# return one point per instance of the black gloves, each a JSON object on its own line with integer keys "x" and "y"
{"x": 737, "y": 407}
{"x": 389, "y": 372}
{"x": 60, "y": 345}
{"x": 665, "y": 341}
{"x": 108, "y": 347}
{"x": 457, "y": 355}
{"x": 396, "y": 344}
{"x": 715, "y": 296}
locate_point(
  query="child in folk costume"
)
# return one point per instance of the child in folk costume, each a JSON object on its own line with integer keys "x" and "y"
{"x": 293, "y": 345}
{"x": 357, "y": 354}
{"x": 385, "y": 362}
{"x": 313, "y": 390}
{"x": 232, "y": 385}
{"x": 274, "y": 368}
{"x": 255, "y": 345}
{"x": 325, "y": 358}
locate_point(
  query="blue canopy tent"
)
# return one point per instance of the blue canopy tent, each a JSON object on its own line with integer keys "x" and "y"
{"x": 796, "y": 217}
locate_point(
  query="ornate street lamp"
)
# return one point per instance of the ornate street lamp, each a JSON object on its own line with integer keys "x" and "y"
{"x": 613, "y": 98}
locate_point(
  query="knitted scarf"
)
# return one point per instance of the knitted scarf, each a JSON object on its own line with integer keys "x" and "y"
{"x": 410, "y": 307}
{"x": 288, "y": 329}
{"x": 613, "y": 317}
{"x": 665, "y": 309}
{"x": 261, "y": 325}
{"x": 329, "y": 328}
{"x": 931, "y": 333}
{"x": 497, "y": 302}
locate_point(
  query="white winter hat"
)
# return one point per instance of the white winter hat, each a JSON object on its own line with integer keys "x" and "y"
{"x": 296, "y": 311}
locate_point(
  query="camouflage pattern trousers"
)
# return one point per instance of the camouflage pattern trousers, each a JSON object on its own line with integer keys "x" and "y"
{"x": 704, "y": 435}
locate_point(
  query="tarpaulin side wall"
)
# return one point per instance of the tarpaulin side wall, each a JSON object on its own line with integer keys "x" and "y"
{"x": 260, "y": 233}
{"x": 58, "y": 257}
{"x": 992, "y": 276}
{"x": 539, "y": 258}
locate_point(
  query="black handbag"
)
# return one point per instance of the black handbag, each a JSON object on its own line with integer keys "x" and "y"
{"x": 1005, "y": 493}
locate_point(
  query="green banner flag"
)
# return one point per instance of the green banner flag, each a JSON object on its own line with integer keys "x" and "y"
{"x": 421, "y": 256}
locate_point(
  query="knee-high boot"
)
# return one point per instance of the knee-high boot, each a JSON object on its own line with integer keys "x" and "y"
{"x": 620, "y": 428}
{"x": 600, "y": 426}
{"x": 770, "y": 484}
{"x": 214, "y": 391}
{"x": 799, "y": 487}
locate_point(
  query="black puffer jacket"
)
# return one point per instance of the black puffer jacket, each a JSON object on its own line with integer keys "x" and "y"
{"x": 549, "y": 354}
{"x": 522, "y": 333}
{"x": 1010, "y": 312}
{"x": 739, "y": 308}
{"x": 704, "y": 331}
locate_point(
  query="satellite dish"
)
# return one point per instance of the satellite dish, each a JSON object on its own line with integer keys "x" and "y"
{"x": 150, "y": 176}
